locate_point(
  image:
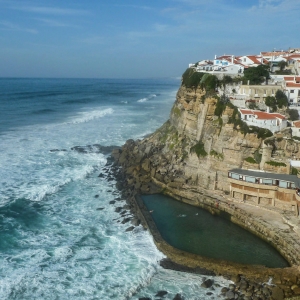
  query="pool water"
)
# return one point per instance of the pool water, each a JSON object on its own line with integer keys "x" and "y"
{"x": 197, "y": 231}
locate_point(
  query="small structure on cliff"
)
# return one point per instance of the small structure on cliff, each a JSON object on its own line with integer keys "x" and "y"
{"x": 272, "y": 121}
{"x": 265, "y": 189}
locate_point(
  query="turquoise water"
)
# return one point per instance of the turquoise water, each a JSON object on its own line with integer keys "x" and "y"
{"x": 57, "y": 239}
{"x": 195, "y": 230}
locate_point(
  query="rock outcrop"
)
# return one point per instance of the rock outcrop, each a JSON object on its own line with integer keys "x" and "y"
{"x": 191, "y": 154}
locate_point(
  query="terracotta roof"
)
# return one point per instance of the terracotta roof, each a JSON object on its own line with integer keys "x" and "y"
{"x": 296, "y": 124}
{"x": 293, "y": 84}
{"x": 288, "y": 78}
{"x": 246, "y": 111}
{"x": 273, "y": 53}
{"x": 268, "y": 116}
{"x": 254, "y": 59}
{"x": 261, "y": 115}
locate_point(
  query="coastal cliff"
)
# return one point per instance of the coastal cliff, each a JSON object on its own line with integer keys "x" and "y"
{"x": 188, "y": 158}
{"x": 197, "y": 147}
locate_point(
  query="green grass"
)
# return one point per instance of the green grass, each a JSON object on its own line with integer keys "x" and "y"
{"x": 199, "y": 149}
{"x": 276, "y": 164}
{"x": 251, "y": 160}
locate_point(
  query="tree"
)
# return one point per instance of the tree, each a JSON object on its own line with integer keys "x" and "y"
{"x": 282, "y": 64}
{"x": 281, "y": 99}
{"x": 257, "y": 75}
{"x": 294, "y": 115}
{"x": 271, "y": 102}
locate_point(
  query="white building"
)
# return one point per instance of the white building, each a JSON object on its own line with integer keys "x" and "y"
{"x": 292, "y": 89}
{"x": 272, "y": 121}
{"x": 296, "y": 128}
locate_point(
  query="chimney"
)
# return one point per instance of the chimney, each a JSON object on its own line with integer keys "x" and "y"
{"x": 215, "y": 56}
{"x": 232, "y": 59}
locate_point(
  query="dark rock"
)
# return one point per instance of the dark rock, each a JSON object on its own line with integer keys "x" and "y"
{"x": 129, "y": 228}
{"x": 277, "y": 293}
{"x": 224, "y": 290}
{"x": 96, "y": 148}
{"x": 145, "y": 298}
{"x": 135, "y": 222}
{"x": 178, "y": 297}
{"x": 101, "y": 175}
{"x": 58, "y": 150}
{"x": 126, "y": 220}
{"x": 118, "y": 209}
{"x": 207, "y": 283}
{"x": 229, "y": 295}
{"x": 100, "y": 208}
{"x": 112, "y": 202}
{"x": 161, "y": 293}
{"x": 232, "y": 287}
{"x": 209, "y": 293}
{"x": 168, "y": 264}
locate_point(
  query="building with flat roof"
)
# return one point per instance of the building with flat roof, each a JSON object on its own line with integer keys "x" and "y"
{"x": 265, "y": 189}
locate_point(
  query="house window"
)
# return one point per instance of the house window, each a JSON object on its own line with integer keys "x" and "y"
{"x": 244, "y": 59}
{"x": 292, "y": 92}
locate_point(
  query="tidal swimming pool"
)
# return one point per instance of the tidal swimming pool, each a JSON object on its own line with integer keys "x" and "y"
{"x": 197, "y": 231}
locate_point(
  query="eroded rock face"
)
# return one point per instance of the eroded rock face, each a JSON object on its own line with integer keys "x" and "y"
{"x": 165, "y": 159}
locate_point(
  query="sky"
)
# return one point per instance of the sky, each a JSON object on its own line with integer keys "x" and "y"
{"x": 137, "y": 38}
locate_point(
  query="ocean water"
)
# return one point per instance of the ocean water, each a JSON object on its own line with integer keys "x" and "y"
{"x": 59, "y": 236}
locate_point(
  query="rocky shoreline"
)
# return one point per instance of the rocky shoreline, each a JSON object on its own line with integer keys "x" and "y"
{"x": 249, "y": 282}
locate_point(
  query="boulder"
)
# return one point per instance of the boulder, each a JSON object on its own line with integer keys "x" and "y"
{"x": 207, "y": 283}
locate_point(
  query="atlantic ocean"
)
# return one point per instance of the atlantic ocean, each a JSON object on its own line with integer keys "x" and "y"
{"x": 60, "y": 236}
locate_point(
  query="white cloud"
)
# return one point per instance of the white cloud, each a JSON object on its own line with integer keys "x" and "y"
{"x": 54, "y": 23}
{"x": 51, "y": 10}
{"x": 15, "y": 27}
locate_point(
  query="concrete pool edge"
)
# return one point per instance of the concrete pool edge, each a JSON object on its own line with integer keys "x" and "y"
{"x": 286, "y": 278}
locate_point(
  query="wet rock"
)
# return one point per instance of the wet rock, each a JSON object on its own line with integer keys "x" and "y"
{"x": 207, "y": 283}
{"x": 129, "y": 228}
{"x": 145, "y": 298}
{"x": 101, "y": 175}
{"x": 126, "y": 220}
{"x": 277, "y": 293}
{"x": 118, "y": 209}
{"x": 232, "y": 287}
{"x": 224, "y": 290}
{"x": 58, "y": 150}
{"x": 135, "y": 222}
{"x": 209, "y": 293}
{"x": 100, "y": 208}
{"x": 178, "y": 297}
{"x": 161, "y": 293}
{"x": 96, "y": 196}
{"x": 230, "y": 295}
{"x": 112, "y": 202}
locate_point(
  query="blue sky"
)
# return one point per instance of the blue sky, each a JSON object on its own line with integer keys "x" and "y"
{"x": 137, "y": 38}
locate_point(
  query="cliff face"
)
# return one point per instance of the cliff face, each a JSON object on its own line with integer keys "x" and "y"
{"x": 197, "y": 148}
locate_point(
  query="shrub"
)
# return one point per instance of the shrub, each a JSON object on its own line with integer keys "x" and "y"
{"x": 216, "y": 154}
{"x": 276, "y": 164}
{"x": 251, "y": 160}
{"x": 293, "y": 113}
{"x": 294, "y": 171}
{"x": 191, "y": 78}
{"x": 198, "y": 149}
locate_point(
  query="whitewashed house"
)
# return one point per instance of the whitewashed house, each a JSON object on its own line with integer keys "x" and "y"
{"x": 296, "y": 128}
{"x": 291, "y": 86}
{"x": 272, "y": 121}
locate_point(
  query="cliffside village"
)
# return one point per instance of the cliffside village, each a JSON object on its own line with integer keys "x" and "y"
{"x": 252, "y": 185}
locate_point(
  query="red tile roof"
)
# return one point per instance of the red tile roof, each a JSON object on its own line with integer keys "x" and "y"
{"x": 289, "y": 78}
{"x": 246, "y": 111}
{"x": 261, "y": 115}
{"x": 293, "y": 84}
{"x": 296, "y": 124}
